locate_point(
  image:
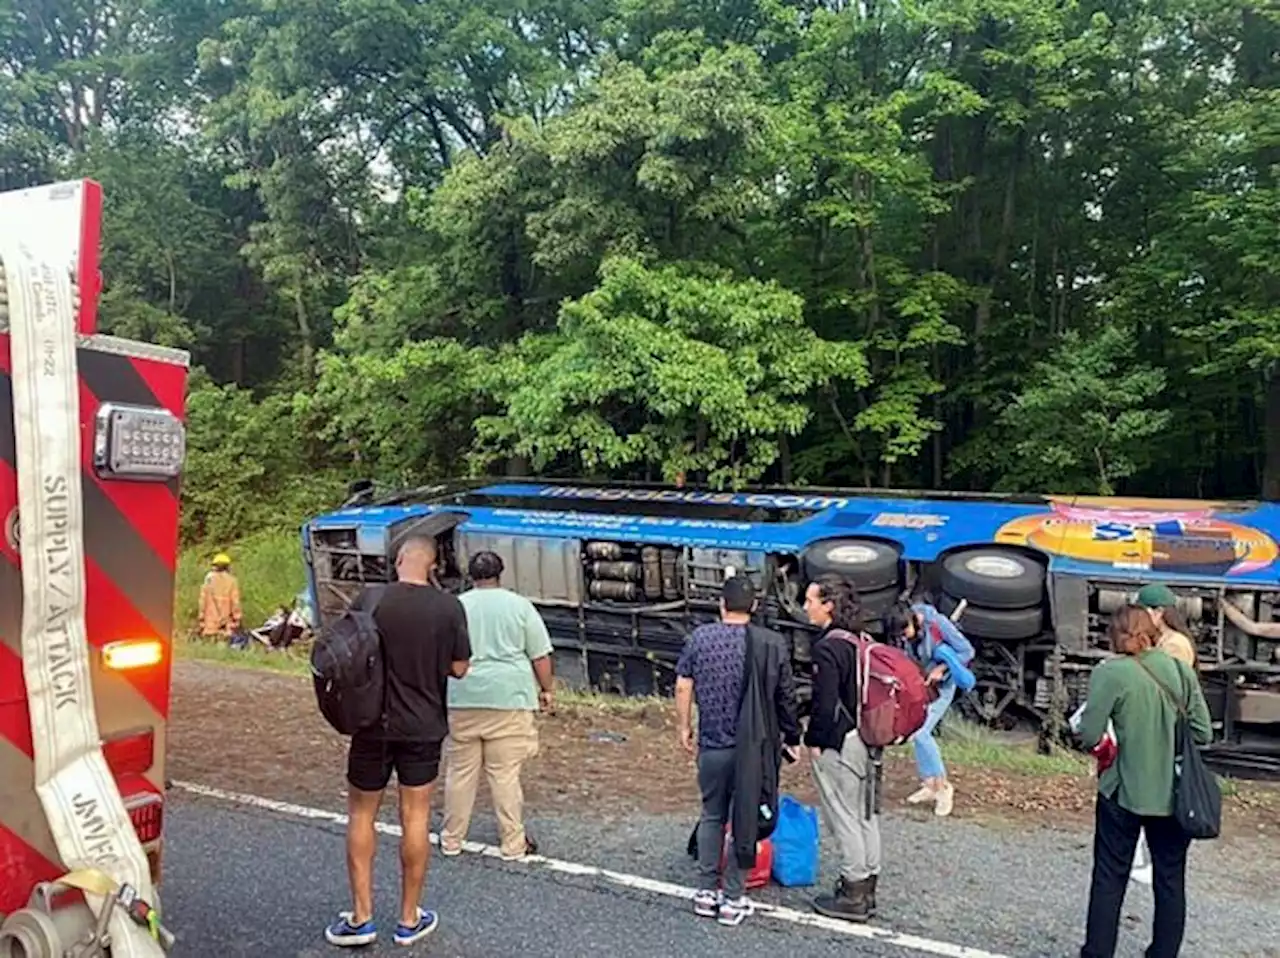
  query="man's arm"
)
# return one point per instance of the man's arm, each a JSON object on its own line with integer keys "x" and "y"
{"x": 826, "y": 692}
{"x": 537, "y": 646}
{"x": 461, "y": 653}
{"x": 1259, "y": 630}
{"x": 684, "y": 711}
{"x": 684, "y": 693}
{"x": 1103, "y": 692}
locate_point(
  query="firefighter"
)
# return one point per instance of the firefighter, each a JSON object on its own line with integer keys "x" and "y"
{"x": 220, "y": 612}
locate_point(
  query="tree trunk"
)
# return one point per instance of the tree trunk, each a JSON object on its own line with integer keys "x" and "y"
{"x": 304, "y": 331}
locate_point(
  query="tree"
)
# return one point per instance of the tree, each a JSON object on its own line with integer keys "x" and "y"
{"x": 691, "y": 371}
{"x": 1086, "y": 420}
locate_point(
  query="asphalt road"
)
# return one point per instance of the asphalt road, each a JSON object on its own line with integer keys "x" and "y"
{"x": 241, "y": 881}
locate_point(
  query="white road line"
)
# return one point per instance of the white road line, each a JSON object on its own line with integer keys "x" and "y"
{"x": 876, "y": 933}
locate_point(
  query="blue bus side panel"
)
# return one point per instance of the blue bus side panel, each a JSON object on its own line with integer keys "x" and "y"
{"x": 1118, "y": 538}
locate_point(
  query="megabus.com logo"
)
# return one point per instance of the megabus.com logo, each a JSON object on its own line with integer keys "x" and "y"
{"x": 693, "y": 497}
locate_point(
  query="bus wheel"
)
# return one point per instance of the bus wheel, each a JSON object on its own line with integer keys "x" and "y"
{"x": 995, "y": 578}
{"x": 867, "y": 563}
{"x": 876, "y": 605}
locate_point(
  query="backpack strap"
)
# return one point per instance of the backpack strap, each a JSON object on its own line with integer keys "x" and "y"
{"x": 1173, "y": 699}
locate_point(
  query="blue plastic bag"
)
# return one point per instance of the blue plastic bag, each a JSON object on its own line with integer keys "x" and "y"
{"x": 795, "y": 844}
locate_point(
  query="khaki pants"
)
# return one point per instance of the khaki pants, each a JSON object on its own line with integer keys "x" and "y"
{"x": 846, "y": 780}
{"x": 499, "y": 742}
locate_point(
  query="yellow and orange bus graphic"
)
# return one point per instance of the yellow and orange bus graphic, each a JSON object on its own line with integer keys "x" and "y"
{"x": 1145, "y": 535}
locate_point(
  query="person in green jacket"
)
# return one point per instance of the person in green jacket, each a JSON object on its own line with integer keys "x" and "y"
{"x": 1135, "y": 793}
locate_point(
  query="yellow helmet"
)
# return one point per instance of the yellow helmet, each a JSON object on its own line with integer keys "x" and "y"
{"x": 222, "y": 559}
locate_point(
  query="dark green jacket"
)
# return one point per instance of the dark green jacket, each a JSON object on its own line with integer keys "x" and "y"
{"x": 1141, "y": 778}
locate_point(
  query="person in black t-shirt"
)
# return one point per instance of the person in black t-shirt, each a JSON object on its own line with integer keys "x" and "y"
{"x": 424, "y": 642}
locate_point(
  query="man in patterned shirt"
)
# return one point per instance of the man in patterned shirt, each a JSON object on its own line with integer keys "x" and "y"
{"x": 711, "y": 669}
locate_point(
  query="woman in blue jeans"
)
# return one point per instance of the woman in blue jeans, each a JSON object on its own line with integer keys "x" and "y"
{"x": 935, "y": 642}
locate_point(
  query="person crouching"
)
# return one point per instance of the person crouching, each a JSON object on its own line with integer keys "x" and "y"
{"x": 843, "y": 768}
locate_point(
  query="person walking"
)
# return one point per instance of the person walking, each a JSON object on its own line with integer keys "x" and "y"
{"x": 424, "y": 642}
{"x": 932, "y": 639}
{"x": 844, "y": 769}
{"x": 741, "y": 677}
{"x": 1175, "y": 635}
{"x": 491, "y": 711}
{"x": 220, "y": 612}
{"x": 1135, "y": 792}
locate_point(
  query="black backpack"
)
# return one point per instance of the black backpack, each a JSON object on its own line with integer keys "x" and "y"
{"x": 348, "y": 670}
{"x": 1197, "y": 797}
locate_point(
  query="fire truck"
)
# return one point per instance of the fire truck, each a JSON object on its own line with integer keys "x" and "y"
{"x": 91, "y": 448}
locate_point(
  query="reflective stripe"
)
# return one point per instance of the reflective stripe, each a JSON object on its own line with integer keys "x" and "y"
{"x": 80, "y": 798}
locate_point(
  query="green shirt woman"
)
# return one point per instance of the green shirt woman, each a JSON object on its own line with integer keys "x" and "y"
{"x": 1135, "y": 793}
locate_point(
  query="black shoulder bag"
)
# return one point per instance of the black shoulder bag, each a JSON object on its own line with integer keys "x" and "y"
{"x": 1197, "y": 797}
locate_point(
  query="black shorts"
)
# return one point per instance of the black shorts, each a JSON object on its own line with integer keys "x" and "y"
{"x": 372, "y": 759}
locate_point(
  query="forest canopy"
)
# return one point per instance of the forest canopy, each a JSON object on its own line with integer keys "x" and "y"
{"x": 979, "y": 244}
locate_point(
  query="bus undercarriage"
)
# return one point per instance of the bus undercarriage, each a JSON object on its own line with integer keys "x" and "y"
{"x": 619, "y": 612}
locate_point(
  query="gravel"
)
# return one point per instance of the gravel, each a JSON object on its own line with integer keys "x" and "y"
{"x": 1020, "y": 893}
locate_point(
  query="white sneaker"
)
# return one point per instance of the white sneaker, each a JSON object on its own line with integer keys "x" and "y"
{"x": 921, "y": 795}
{"x": 734, "y": 911}
{"x": 946, "y": 801}
{"x": 706, "y": 903}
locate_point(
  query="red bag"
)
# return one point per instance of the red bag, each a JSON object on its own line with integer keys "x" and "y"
{"x": 894, "y": 696}
{"x": 759, "y": 874}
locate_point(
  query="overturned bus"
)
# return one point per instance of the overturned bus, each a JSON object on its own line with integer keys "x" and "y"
{"x": 621, "y": 573}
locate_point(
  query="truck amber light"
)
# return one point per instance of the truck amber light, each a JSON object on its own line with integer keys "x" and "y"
{"x": 132, "y": 753}
{"x": 147, "y": 814}
{"x": 132, "y": 654}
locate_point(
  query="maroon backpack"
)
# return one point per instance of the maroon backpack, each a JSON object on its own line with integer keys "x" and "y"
{"x": 893, "y": 694}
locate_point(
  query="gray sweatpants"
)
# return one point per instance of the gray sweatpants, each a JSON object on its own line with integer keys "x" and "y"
{"x": 715, "y": 779}
{"x": 846, "y": 784}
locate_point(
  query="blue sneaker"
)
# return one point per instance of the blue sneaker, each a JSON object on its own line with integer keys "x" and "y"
{"x": 412, "y": 934}
{"x": 346, "y": 935}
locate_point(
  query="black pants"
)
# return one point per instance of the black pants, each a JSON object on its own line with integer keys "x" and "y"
{"x": 1115, "y": 840}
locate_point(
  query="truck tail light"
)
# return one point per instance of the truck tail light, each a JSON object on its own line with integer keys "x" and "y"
{"x": 132, "y": 753}
{"x": 146, "y": 811}
{"x": 132, "y": 654}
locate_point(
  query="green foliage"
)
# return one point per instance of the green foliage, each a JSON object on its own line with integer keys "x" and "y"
{"x": 246, "y": 468}
{"x": 692, "y": 372}
{"x": 1085, "y": 420}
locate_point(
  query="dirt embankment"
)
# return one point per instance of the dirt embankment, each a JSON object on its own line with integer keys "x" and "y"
{"x": 258, "y": 732}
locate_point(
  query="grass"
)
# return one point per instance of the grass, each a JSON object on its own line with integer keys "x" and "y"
{"x": 268, "y": 566}
{"x": 284, "y": 661}
{"x": 967, "y": 743}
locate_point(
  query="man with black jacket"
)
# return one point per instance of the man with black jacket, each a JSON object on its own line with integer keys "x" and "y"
{"x": 843, "y": 768}
{"x": 741, "y": 676}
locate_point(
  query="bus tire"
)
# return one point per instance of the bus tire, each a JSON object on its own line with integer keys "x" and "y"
{"x": 983, "y": 623}
{"x": 876, "y": 605}
{"x": 867, "y": 563}
{"x": 993, "y": 577}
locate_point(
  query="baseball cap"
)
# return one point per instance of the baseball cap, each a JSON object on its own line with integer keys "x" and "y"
{"x": 739, "y": 594}
{"x": 1157, "y": 595}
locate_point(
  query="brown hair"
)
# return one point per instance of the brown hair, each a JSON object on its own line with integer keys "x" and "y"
{"x": 1132, "y": 630}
